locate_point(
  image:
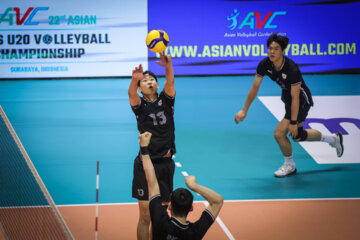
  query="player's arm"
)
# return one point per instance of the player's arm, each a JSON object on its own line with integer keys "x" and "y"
{"x": 151, "y": 179}
{"x": 137, "y": 75}
{"x": 240, "y": 116}
{"x": 169, "y": 86}
{"x": 215, "y": 200}
{"x": 295, "y": 102}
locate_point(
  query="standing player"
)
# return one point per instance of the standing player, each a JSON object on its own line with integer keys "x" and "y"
{"x": 297, "y": 99}
{"x": 154, "y": 113}
{"x": 177, "y": 227}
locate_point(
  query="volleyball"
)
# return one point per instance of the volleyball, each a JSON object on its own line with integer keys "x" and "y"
{"x": 157, "y": 40}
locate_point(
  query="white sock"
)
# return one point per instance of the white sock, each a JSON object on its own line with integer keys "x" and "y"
{"x": 289, "y": 160}
{"x": 327, "y": 138}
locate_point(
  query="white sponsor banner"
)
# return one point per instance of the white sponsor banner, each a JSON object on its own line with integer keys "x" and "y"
{"x": 72, "y": 38}
{"x": 329, "y": 115}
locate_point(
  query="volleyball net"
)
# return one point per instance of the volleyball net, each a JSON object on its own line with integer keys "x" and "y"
{"x": 27, "y": 210}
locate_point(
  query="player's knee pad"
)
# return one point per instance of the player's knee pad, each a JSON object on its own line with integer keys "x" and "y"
{"x": 301, "y": 136}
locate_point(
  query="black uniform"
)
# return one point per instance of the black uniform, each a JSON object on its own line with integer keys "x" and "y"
{"x": 156, "y": 117}
{"x": 288, "y": 75}
{"x": 165, "y": 227}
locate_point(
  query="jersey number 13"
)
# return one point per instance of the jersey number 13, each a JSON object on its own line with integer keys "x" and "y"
{"x": 159, "y": 118}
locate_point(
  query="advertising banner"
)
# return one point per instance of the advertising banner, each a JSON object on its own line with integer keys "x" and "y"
{"x": 229, "y": 37}
{"x": 72, "y": 38}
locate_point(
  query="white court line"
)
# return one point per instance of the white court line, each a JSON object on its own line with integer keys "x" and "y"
{"x": 178, "y": 164}
{"x": 225, "y": 201}
{"x": 222, "y": 225}
{"x": 3, "y": 232}
{"x": 185, "y": 175}
{"x": 291, "y": 199}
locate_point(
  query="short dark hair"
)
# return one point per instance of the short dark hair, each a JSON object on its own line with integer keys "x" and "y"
{"x": 283, "y": 41}
{"x": 151, "y": 74}
{"x": 181, "y": 202}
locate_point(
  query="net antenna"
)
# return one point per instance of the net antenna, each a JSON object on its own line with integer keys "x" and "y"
{"x": 97, "y": 201}
{"x": 27, "y": 210}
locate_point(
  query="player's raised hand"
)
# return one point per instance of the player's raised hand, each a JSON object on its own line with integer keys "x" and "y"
{"x": 144, "y": 139}
{"x": 165, "y": 60}
{"x": 137, "y": 73}
{"x": 190, "y": 182}
{"x": 240, "y": 116}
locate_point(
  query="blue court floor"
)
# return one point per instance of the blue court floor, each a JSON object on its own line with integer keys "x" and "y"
{"x": 67, "y": 125}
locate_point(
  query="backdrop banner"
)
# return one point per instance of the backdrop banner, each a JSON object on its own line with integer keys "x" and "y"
{"x": 229, "y": 37}
{"x": 72, "y": 38}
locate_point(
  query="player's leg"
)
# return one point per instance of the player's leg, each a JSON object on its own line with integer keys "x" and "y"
{"x": 335, "y": 140}
{"x": 308, "y": 134}
{"x": 140, "y": 192}
{"x": 165, "y": 170}
{"x": 144, "y": 220}
{"x": 280, "y": 133}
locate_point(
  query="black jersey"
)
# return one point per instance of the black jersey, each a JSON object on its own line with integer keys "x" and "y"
{"x": 157, "y": 117}
{"x": 165, "y": 227}
{"x": 289, "y": 74}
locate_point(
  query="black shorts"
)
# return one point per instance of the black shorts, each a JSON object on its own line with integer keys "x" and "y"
{"x": 303, "y": 112}
{"x": 164, "y": 170}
